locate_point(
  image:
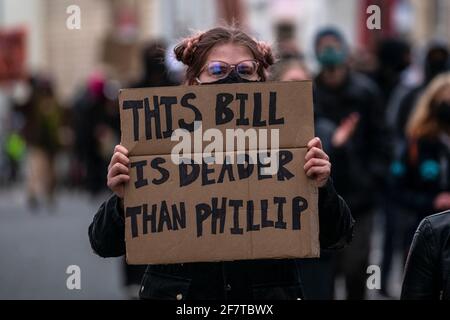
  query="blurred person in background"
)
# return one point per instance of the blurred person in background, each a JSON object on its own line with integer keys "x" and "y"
{"x": 97, "y": 129}
{"x": 423, "y": 169}
{"x": 42, "y": 119}
{"x": 155, "y": 74}
{"x": 13, "y": 146}
{"x": 437, "y": 61}
{"x": 349, "y": 109}
{"x": 317, "y": 274}
{"x": 393, "y": 58}
{"x": 153, "y": 61}
{"x": 400, "y": 105}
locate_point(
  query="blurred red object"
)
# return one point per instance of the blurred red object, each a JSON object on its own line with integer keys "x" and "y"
{"x": 12, "y": 54}
{"x": 369, "y": 38}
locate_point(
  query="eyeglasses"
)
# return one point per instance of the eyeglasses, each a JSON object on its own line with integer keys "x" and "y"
{"x": 219, "y": 69}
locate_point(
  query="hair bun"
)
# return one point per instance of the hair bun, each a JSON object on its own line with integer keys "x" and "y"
{"x": 184, "y": 52}
{"x": 266, "y": 51}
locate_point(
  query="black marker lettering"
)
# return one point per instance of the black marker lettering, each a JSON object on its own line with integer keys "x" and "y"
{"x": 135, "y": 105}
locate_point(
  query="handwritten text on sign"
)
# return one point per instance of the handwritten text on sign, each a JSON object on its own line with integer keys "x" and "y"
{"x": 200, "y": 188}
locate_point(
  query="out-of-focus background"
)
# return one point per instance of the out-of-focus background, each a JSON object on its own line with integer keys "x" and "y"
{"x": 59, "y": 116}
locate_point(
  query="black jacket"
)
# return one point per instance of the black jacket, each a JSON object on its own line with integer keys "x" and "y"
{"x": 360, "y": 164}
{"x": 428, "y": 265}
{"x": 421, "y": 173}
{"x": 250, "y": 279}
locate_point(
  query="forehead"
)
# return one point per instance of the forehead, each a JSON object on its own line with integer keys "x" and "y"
{"x": 231, "y": 53}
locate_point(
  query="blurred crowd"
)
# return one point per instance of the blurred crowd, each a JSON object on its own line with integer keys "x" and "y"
{"x": 388, "y": 138}
{"x": 383, "y": 117}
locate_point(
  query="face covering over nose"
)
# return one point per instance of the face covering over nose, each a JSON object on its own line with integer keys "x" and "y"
{"x": 233, "y": 77}
{"x": 331, "y": 57}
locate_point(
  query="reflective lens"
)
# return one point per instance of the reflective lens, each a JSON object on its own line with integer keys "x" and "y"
{"x": 219, "y": 69}
{"x": 247, "y": 68}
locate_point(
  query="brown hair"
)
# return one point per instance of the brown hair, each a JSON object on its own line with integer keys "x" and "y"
{"x": 193, "y": 51}
{"x": 423, "y": 122}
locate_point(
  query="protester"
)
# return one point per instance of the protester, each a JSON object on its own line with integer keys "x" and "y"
{"x": 42, "y": 115}
{"x": 349, "y": 113}
{"x": 398, "y": 220}
{"x": 316, "y": 274}
{"x": 394, "y": 57}
{"x": 209, "y": 57}
{"x": 437, "y": 61}
{"x": 422, "y": 172}
{"x": 426, "y": 274}
{"x": 96, "y": 127}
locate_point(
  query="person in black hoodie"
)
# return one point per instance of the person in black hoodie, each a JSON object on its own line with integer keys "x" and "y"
{"x": 350, "y": 120}
{"x": 209, "y": 57}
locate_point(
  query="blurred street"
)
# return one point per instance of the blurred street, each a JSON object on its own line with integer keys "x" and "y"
{"x": 38, "y": 246}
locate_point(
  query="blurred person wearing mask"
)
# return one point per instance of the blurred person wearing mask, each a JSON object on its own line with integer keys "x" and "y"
{"x": 317, "y": 274}
{"x": 42, "y": 115}
{"x": 423, "y": 170}
{"x": 426, "y": 179}
{"x": 219, "y": 56}
{"x": 348, "y": 107}
{"x": 399, "y": 222}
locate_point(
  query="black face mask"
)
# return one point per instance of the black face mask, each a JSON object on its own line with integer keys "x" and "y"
{"x": 442, "y": 111}
{"x": 233, "y": 77}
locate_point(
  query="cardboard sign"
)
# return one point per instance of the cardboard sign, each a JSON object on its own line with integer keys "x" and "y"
{"x": 198, "y": 210}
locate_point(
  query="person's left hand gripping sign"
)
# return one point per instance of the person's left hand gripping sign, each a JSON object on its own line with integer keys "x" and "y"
{"x": 317, "y": 163}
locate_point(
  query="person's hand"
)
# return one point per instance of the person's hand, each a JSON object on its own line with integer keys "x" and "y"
{"x": 118, "y": 171}
{"x": 317, "y": 166}
{"x": 345, "y": 130}
{"x": 442, "y": 201}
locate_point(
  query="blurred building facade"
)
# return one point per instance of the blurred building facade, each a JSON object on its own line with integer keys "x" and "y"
{"x": 111, "y": 30}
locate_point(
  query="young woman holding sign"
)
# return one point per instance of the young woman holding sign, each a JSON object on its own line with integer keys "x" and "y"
{"x": 223, "y": 55}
